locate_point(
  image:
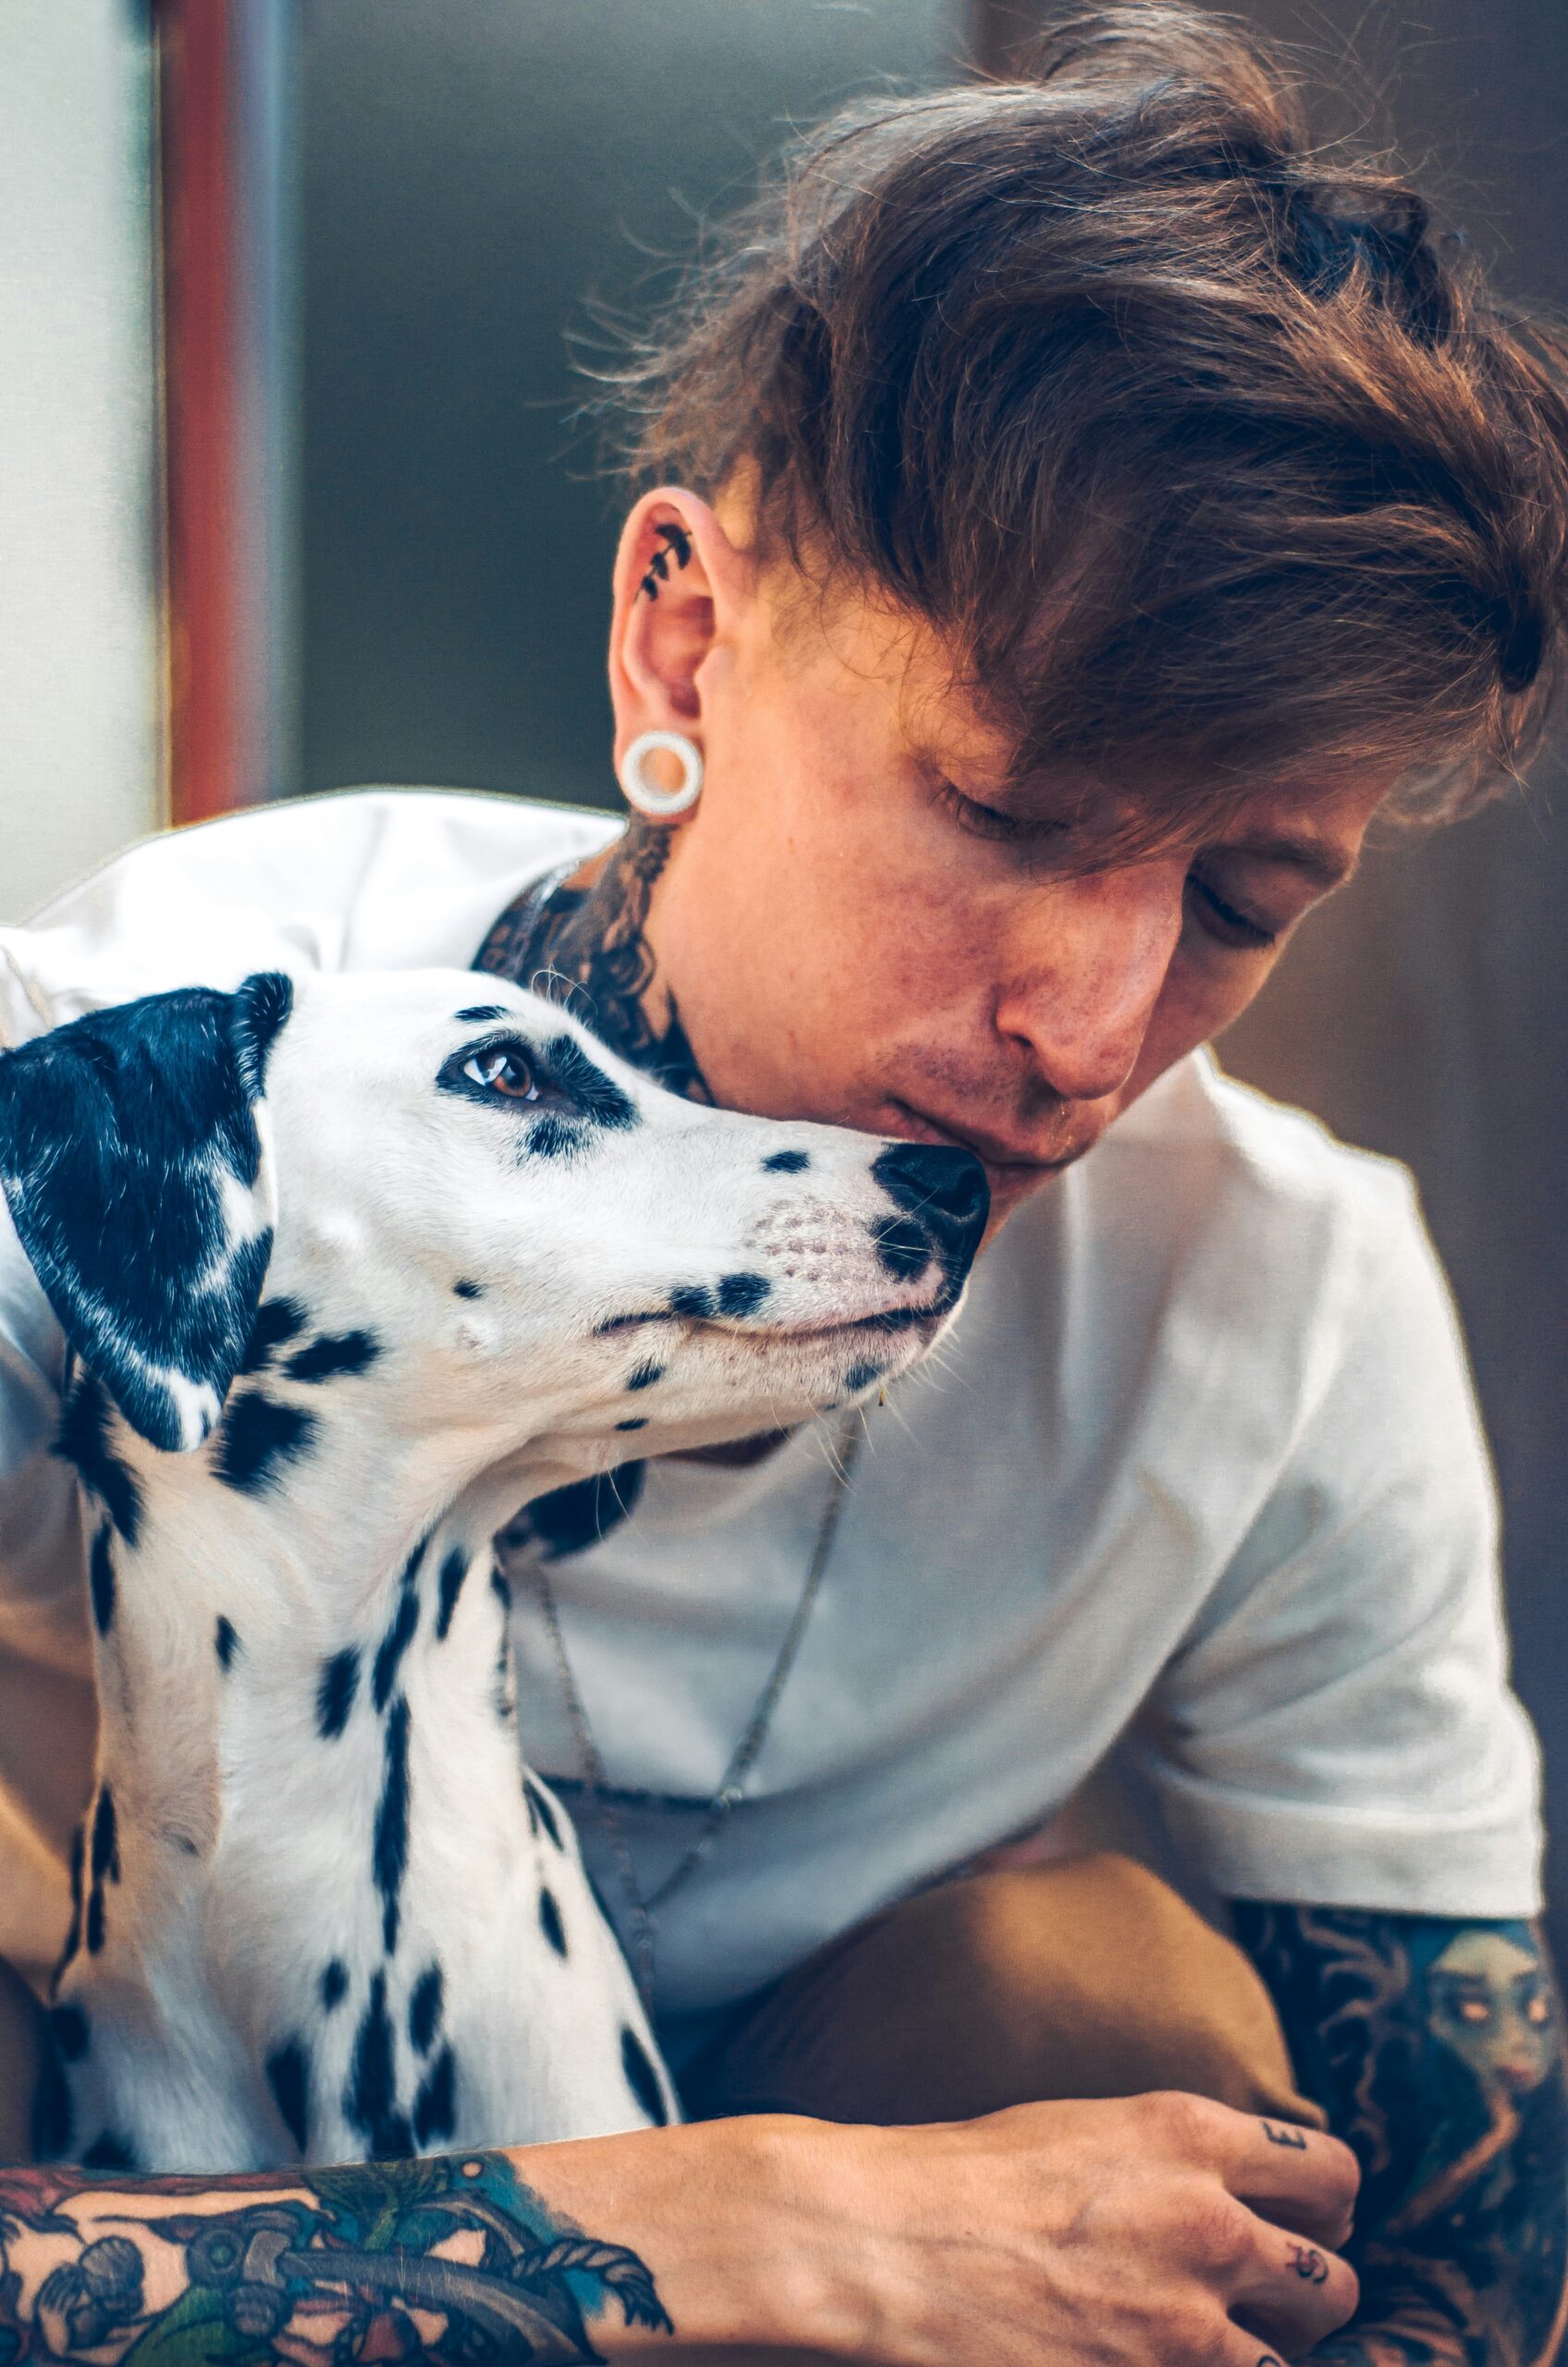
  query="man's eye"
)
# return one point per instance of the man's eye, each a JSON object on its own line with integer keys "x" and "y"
{"x": 499, "y": 1071}
{"x": 1224, "y": 921}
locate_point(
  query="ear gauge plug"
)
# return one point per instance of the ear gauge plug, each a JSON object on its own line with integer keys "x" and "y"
{"x": 641, "y": 792}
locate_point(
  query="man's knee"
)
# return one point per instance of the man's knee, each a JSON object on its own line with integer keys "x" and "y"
{"x": 1085, "y": 1976}
{"x": 22, "y": 2061}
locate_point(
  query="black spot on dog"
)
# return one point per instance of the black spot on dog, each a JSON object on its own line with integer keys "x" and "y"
{"x": 861, "y": 1377}
{"x": 571, "y": 1518}
{"x": 71, "y": 2032}
{"x": 540, "y": 1811}
{"x": 335, "y": 1357}
{"x": 109, "y": 2152}
{"x": 337, "y": 1689}
{"x": 425, "y": 2008}
{"x": 225, "y": 1641}
{"x": 105, "y": 1854}
{"x": 52, "y": 2116}
{"x": 96, "y": 1930}
{"x": 369, "y": 2098}
{"x": 593, "y": 1091}
{"x": 278, "y": 1320}
{"x": 395, "y": 1643}
{"x": 638, "y": 1422}
{"x": 787, "y": 1162}
{"x": 692, "y": 1301}
{"x": 501, "y": 1588}
{"x": 550, "y": 1921}
{"x": 288, "y": 2077}
{"x": 334, "y": 1983}
{"x": 743, "y": 1293}
{"x": 646, "y": 1376}
{"x": 465, "y": 1289}
{"x": 454, "y": 1570}
{"x": 389, "y": 1845}
{"x": 435, "y": 2106}
{"x": 259, "y": 1438}
{"x": 480, "y": 1012}
{"x": 552, "y": 1138}
{"x": 643, "y": 2079}
{"x": 627, "y": 1322}
{"x": 903, "y": 1246}
{"x": 101, "y": 1580}
{"x": 83, "y": 1442}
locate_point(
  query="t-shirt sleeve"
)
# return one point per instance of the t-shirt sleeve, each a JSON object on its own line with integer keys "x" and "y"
{"x": 1338, "y": 1726}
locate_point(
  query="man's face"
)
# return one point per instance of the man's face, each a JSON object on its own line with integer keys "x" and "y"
{"x": 851, "y": 936}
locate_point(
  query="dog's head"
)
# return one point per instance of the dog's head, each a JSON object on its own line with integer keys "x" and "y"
{"x": 439, "y": 1185}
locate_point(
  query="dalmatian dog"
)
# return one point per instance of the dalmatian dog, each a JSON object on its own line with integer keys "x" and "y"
{"x": 349, "y": 1270}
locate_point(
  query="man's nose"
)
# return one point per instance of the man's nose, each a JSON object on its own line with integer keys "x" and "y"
{"x": 1088, "y": 974}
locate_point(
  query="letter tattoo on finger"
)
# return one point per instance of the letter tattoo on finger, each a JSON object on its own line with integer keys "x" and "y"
{"x": 1310, "y": 2264}
{"x": 1294, "y": 2138}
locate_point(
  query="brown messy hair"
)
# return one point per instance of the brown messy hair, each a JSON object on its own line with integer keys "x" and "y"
{"x": 1212, "y": 463}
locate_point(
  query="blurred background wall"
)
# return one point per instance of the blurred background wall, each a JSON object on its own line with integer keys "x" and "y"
{"x": 80, "y": 690}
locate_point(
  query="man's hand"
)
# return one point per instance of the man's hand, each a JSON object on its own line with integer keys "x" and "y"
{"x": 1155, "y": 2231}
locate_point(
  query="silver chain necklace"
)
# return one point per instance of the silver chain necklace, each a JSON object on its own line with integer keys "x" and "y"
{"x": 643, "y": 1906}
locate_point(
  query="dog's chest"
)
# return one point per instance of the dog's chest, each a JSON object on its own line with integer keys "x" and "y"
{"x": 390, "y": 1946}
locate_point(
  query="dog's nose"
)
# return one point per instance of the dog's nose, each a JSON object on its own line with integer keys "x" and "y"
{"x": 943, "y": 1194}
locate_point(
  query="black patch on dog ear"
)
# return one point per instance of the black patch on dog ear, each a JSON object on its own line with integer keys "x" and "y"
{"x": 369, "y": 2098}
{"x": 646, "y": 1376}
{"x": 110, "y": 2152}
{"x": 83, "y": 1442}
{"x": 463, "y": 1288}
{"x": 743, "y": 1293}
{"x": 540, "y": 1811}
{"x": 335, "y": 1357}
{"x": 101, "y": 1580}
{"x": 593, "y": 1091}
{"x": 435, "y": 2106}
{"x": 570, "y": 1518}
{"x": 334, "y": 1983}
{"x": 335, "y": 1690}
{"x": 454, "y": 1570}
{"x": 260, "y": 1436}
{"x": 225, "y": 1641}
{"x": 787, "y": 1162}
{"x": 389, "y": 1844}
{"x": 126, "y": 1140}
{"x": 643, "y": 2079}
{"x": 425, "y": 2008}
{"x": 550, "y": 1921}
{"x": 693, "y": 1301}
{"x": 288, "y": 2077}
{"x": 278, "y": 1320}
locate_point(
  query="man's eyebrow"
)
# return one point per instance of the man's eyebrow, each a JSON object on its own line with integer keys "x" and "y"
{"x": 1326, "y": 866}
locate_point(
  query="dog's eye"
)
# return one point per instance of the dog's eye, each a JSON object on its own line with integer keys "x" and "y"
{"x": 500, "y": 1071}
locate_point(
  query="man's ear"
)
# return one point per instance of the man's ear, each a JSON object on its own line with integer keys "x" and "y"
{"x": 133, "y": 1158}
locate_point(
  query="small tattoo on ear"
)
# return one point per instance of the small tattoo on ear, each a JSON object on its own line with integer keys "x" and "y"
{"x": 679, "y": 543}
{"x": 1294, "y": 2138}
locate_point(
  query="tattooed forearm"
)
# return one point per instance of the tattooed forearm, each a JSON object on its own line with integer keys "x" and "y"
{"x": 591, "y": 950}
{"x": 1436, "y": 2049}
{"x": 451, "y": 2261}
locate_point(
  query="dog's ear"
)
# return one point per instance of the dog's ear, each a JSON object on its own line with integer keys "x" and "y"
{"x": 133, "y": 1157}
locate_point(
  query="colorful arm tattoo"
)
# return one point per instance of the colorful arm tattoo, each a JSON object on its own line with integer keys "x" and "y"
{"x": 1436, "y": 2049}
{"x": 452, "y": 2260}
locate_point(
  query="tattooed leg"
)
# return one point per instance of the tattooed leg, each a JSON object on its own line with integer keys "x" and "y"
{"x": 454, "y": 2261}
{"x": 1436, "y": 2048}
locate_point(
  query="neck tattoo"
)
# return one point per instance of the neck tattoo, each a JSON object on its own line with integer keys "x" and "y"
{"x": 589, "y": 950}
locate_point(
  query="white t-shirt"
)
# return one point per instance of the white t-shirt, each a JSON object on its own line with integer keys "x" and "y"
{"x": 1198, "y": 1476}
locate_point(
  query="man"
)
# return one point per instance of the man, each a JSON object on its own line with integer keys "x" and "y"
{"x": 1083, "y": 510}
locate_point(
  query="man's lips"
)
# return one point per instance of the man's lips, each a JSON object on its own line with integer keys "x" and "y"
{"x": 1002, "y": 1158}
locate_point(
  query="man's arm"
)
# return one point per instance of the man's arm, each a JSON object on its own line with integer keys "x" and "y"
{"x": 1436, "y": 2048}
